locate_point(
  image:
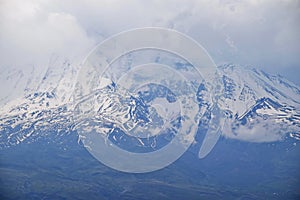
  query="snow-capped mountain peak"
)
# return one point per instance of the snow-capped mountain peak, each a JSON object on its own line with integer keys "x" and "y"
{"x": 259, "y": 107}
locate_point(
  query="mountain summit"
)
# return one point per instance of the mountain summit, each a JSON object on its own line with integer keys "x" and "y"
{"x": 258, "y": 107}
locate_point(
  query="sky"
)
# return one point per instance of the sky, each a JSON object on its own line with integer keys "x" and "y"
{"x": 264, "y": 34}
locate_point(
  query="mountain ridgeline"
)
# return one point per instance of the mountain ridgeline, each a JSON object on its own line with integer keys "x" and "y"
{"x": 258, "y": 107}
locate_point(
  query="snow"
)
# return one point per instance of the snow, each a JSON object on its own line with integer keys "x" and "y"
{"x": 50, "y": 103}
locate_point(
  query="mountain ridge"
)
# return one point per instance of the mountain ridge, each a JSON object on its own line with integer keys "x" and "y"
{"x": 259, "y": 107}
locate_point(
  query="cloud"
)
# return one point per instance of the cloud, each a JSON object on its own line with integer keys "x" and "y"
{"x": 30, "y": 34}
{"x": 251, "y": 32}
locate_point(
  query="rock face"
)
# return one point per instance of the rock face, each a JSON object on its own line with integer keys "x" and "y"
{"x": 258, "y": 107}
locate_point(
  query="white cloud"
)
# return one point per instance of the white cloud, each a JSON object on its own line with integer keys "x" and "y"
{"x": 30, "y": 34}
{"x": 256, "y": 32}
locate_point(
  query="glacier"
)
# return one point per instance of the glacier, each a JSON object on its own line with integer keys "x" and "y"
{"x": 258, "y": 107}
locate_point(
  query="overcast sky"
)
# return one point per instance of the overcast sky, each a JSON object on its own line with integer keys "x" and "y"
{"x": 263, "y": 34}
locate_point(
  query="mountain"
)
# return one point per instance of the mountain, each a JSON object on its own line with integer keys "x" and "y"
{"x": 41, "y": 103}
{"x": 258, "y": 107}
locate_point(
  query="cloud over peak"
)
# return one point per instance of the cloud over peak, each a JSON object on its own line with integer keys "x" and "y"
{"x": 254, "y": 32}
